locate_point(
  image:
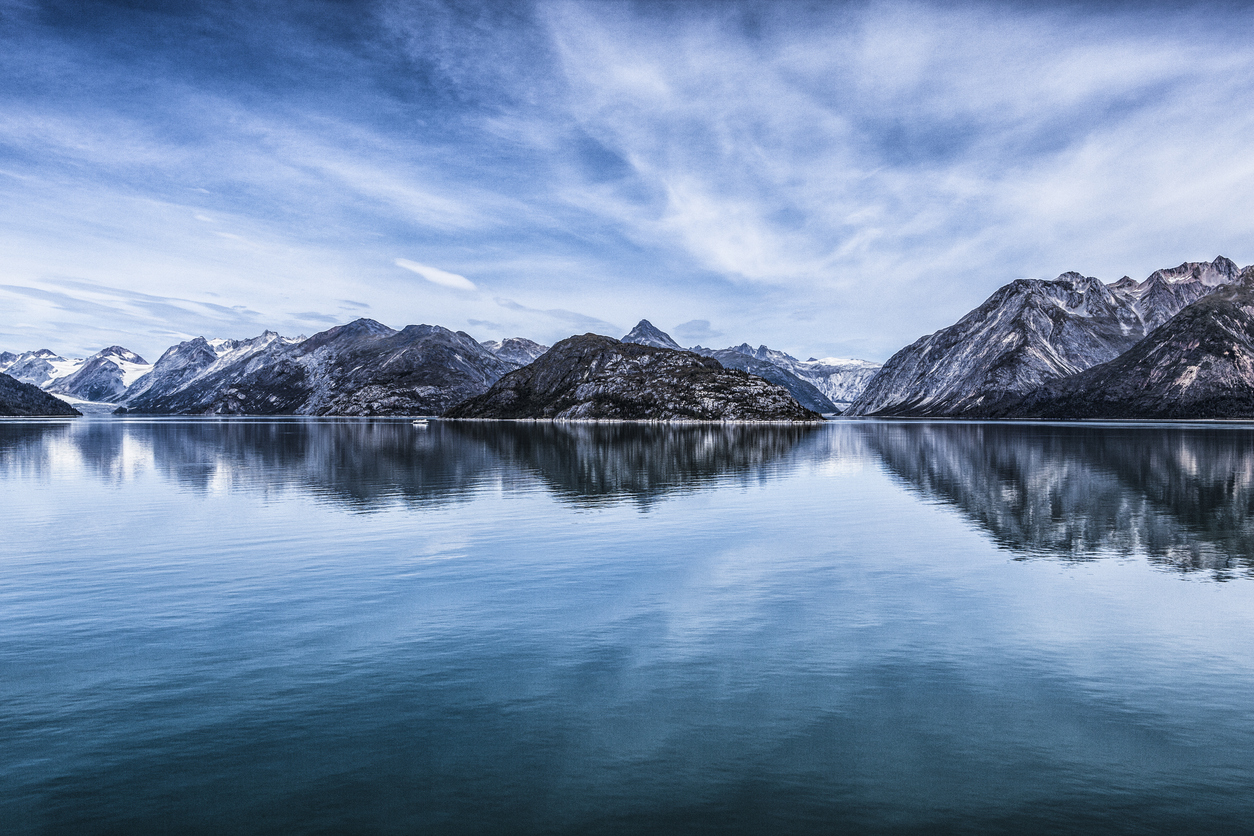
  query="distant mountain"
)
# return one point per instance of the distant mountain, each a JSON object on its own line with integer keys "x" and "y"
{"x": 104, "y": 376}
{"x": 1028, "y": 333}
{"x": 840, "y": 380}
{"x": 362, "y": 368}
{"x": 596, "y": 377}
{"x": 1198, "y": 364}
{"x": 515, "y": 349}
{"x": 184, "y": 365}
{"x": 805, "y": 392}
{"x": 645, "y": 333}
{"x": 26, "y": 400}
{"x": 40, "y": 367}
{"x": 6, "y": 359}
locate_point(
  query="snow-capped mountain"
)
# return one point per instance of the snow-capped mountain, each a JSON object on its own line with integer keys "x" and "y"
{"x": 645, "y": 333}
{"x": 362, "y": 368}
{"x": 1028, "y": 333}
{"x": 40, "y": 367}
{"x": 184, "y": 364}
{"x": 104, "y": 376}
{"x": 515, "y": 349}
{"x": 840, "y": 380}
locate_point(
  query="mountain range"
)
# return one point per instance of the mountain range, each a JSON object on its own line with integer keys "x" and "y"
{"x": 362, "y": 368}
{"x": 1178, "y": 344}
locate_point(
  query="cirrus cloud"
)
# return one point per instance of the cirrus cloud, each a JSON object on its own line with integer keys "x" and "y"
{"x": 437, "y": 276}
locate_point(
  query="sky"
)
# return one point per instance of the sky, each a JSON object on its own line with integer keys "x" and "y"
{"x": 829, "y": 179}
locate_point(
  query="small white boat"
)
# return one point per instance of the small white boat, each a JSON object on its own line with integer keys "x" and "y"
{"x": 421, "y": 422}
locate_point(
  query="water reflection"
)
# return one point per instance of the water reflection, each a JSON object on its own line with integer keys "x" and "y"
{"x": 365, "y": 464}
{"x": 1182, "y": 496}
{"x": 588, "y": 463}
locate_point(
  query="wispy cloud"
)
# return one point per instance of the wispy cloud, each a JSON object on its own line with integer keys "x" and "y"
{"x": 437, "y": 276}
{"x": 813, "y": 176}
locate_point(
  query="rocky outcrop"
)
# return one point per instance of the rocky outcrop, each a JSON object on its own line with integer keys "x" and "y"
{"x": 1027, "y": 334}
{"x": 26, "y": 400}
{"x": 591, "y": 377}
{"x": 1199, "y": 364}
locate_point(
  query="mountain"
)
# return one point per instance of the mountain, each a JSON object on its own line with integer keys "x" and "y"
{"x": 18, "y": 399}
{"x": 1198, "y": 364}
{"x": 362, "y": 368}
{"x": 1028, "y": 333}
{"x": 592, "y": 377}
{"x": 805, "y": 392}
{"x": 515, "y": 349}
{"x": 104, "y": 376}
{"x": 841, "y": 380}
{"x": 40, "y": 367}
{"x": 183, "y": 365}
{"x": 646, "y": 334}
{"x": 6, "y": 359}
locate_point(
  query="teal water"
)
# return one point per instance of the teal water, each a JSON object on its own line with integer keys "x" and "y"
{"x": 321, "y": 626}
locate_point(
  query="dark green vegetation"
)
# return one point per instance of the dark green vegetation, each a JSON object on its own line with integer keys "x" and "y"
{"x": 24, "y": 400}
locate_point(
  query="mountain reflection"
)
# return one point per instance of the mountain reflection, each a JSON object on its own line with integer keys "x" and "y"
{"x": 598, "y": 462}
{"x": 1180, "y": 495}
{"x": 365, "y": 464}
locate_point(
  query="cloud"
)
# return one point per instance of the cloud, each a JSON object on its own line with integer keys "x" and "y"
{"x": 695, "y": 331}
{"x": 810, "y": 176}
{"x": 437, "y": 276}
{"x": 570, "y": 318}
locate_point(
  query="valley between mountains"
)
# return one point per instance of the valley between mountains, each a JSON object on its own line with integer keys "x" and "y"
{"x": 1178, "y": 344}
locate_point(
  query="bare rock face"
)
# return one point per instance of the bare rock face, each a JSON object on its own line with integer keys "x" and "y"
{"x": 26, "y": 400}
{"x": 1029, "y": 333}
{"x": 591, "y": 377}
{"x": 1199, "y": 364}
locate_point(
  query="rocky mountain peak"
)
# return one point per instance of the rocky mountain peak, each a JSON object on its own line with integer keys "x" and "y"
{"x": 645, "y": 333}
{"x": 117, "y": 352}
{"x": 518, "y": 350}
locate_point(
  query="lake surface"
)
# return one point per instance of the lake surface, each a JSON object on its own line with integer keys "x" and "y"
{"x": 334, "y": 626}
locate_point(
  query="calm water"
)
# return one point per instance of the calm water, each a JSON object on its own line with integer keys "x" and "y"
{"x": 347, "y": 626}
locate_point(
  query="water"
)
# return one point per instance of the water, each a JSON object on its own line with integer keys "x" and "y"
{"x": 868, "y": 627}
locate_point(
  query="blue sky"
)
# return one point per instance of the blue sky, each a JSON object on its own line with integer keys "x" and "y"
{"x": 825, "y": 178}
